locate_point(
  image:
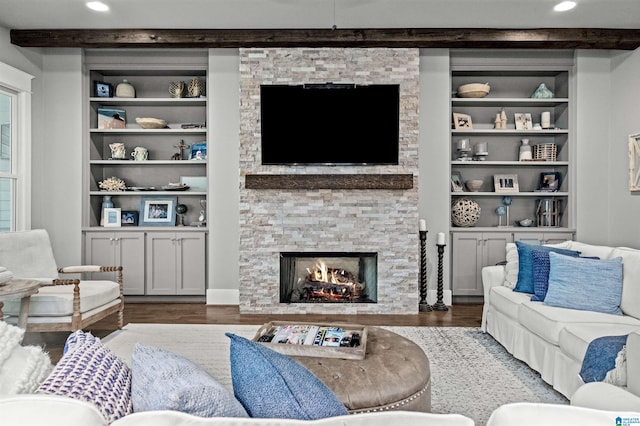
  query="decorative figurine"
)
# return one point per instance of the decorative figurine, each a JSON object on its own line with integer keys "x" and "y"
{"x": 181, "y": 209}
{"x": 181, "y": 147}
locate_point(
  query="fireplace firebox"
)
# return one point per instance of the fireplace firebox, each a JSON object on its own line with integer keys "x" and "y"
{"x": 328, "y": 277}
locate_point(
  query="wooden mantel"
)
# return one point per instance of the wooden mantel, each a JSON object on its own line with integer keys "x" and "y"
{"x": 488, "y": 38}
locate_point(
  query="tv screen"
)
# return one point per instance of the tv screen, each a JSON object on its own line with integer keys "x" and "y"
{"x": 330, "y": 124}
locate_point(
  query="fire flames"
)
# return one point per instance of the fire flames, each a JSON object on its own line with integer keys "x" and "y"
{"x": 331, "y": 283}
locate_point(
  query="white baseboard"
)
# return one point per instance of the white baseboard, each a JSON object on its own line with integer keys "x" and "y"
{"x": 223, "y": 296}
{"x": 232, "y": 297}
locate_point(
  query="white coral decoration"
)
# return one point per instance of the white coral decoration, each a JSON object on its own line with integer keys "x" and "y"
{"x": 113, "y": 184}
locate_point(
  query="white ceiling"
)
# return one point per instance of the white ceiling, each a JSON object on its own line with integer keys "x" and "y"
{"x": 225, "y": 14}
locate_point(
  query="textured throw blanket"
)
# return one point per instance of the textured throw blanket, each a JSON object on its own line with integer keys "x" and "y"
{"x": 601, "y": 357}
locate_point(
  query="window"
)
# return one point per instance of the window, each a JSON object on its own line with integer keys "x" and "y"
{"x": 15, "y": 149}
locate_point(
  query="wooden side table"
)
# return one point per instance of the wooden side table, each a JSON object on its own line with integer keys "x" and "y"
{"x": 19, "y": 289}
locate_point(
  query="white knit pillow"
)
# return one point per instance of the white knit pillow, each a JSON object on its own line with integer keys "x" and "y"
{"x": 22, "y": 368}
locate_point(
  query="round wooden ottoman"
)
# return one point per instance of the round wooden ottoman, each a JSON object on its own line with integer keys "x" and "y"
{"x": 394, "y": 375}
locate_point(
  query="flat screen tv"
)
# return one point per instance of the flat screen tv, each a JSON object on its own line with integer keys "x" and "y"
{"x": 330, "y": 124}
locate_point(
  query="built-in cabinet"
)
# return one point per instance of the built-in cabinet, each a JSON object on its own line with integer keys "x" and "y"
{"x": 175, "y": 263}
{"x": 171, "y": 172}
{"x": 517, "y": 189}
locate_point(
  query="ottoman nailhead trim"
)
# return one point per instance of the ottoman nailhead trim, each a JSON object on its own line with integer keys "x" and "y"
{"x": 395, "y": 404}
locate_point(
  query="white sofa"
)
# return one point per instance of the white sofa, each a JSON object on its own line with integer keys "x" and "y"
{"x": 53, "y": 410}
{"x": 553, "y": 340}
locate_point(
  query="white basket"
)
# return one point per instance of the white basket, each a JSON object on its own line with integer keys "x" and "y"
{"x": 545, "y": 151}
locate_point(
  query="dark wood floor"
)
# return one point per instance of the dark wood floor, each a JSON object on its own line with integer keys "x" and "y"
{"x": 459, "y": 315}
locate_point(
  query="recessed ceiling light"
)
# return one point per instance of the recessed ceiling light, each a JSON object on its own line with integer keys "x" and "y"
{"x": 97, "y": 6}
{"x": 564, "y": 6}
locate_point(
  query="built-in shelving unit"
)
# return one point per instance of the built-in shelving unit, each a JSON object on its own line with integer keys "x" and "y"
{"x": 512, "y": 84}
{"x": 159, "y": 260}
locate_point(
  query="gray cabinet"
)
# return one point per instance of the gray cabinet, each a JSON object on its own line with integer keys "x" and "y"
{"x": 118, "y": 248}
{"x": 539, "y": 238}
{"x": 471, "y": 251}
{"x": 175, "y": 263}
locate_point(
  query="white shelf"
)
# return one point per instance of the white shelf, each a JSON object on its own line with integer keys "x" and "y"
{"x": 150, "y": 162}
{"x": 150, "y": 101}
{"x": 144, "y": 193}
{"x": 508, "y": 132}
{"x": 140, "y": 131}
{"x": 507, "y": 102}
{"x": 510, "y": 194}
{"x": 510, "y": 163}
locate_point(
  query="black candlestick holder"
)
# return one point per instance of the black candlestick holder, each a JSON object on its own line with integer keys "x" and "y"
{"x": 423, "y": 306}
{"x": 439, "y": 305}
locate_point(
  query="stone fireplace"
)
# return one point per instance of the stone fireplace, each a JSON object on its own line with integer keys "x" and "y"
{"x": 320, "y": 221}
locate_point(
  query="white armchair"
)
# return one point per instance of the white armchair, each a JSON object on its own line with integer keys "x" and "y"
{"x": 60, "y": 304}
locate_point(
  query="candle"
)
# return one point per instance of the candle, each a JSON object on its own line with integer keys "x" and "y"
{"x": 545, "y": 119}
{"x": 440, "y": 238}
{"x": 423, "y": 225}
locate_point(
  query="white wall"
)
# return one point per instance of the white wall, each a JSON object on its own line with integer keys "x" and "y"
{"x": 623, "y": 206}
{"x": 433, "y": 166}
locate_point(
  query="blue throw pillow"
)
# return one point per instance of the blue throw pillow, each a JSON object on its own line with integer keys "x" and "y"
{"x": 163, "y": 380}
{"x": 525, "y": 264}
{"x": 272, "y": 385}
{"x": 541, "y": 274}
{"x": 585, "y": 284}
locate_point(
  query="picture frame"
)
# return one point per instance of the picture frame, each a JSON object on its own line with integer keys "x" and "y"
{"x": 112, "y": 217}
{"x": 158, "y": 211}
{"x": 198, "y": 151}
{"x": 111, "y": 118}
{"x": 634, "y": 162}
{"x": 523, "y": 121}
{"x": 195, "y": 183}
{"x": 457, "y": 184}
{"x": 550, "y": 181}
{"x": 506, "y": 183}
{"x": 462, "y": 121}
{"x": 129, "y": 218}
{"x": 102, "y": 89}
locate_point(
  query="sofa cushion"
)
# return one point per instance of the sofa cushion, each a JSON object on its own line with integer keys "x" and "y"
{"x": 163, "y": 380}
{"x": 630, "y": 280}
{"x": 507, "y": 301}
{"x": 574, "y": 338}
{"x": 547, "y": 321}
{"x": 91, "y": 372}
{"x": 525, "y": 264}
{"x": 585, "y": 284}
{"x": 511, "y": 266}
{"x": 272, "y": 385}
{"x": 590, "y": 250}
{"x": 57, "y": 301}
{"x": 28, "y": 254}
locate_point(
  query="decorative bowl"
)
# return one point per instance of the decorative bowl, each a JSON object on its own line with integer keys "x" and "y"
{"x": 474, "y": 185}
{"x": 473, "y": 90}
{"x": 151, "y": 123}
{"x": 526, "y": 222}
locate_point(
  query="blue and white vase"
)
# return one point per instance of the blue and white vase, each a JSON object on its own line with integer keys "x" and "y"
{"x": 106, "y": 204}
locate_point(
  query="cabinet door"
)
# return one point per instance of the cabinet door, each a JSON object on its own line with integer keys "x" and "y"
{"x": 467, "y": 258}
{"x": 118, "y": 249}
{"x": 130, "y": 255}
{"x": 191, "y": 263}
{"x": 539, "y": 238}
{"x": 494, "y": 247}
{"x": 161, "y": 263}
{"x": 557, "y": 237}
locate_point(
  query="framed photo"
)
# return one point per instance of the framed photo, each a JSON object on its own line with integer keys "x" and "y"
{"x": 158, "y": 211}
{"x": 198, "y": 151}
{"x": 505, "y": 183}
{"x": 634, "y": 162}
{"x": 550, "y": 181}
{"x": 129, "y": 218}
{"x": 111, "y": 217}
{"x": 457, "y": 184}
{"x": 462, "y": 121}
{"x": 109, "y": 118}
{"x": 195, "y": 183}
{"x": 102, "y": 89}
{"x": 523, "y": 121}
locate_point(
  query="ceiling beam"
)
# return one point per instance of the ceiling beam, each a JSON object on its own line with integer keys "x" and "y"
{"x": 538, "y": 38}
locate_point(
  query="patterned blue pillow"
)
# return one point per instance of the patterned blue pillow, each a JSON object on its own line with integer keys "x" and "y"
{"x": 541, "y": 267}
{"x": 163, "y": 380}
{"x": 585, "y": 284}
{"x": 272, "y": 385}
{"x": 91, "y": 372}
{"x": 525, "y": 264}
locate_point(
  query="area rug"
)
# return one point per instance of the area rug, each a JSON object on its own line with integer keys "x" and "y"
{"x": 471, "y": 374}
